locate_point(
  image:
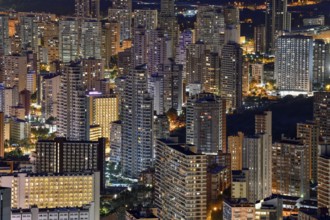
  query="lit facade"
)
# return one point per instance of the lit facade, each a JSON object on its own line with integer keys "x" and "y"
{"x": 323, "y": 178}
{"x": 205, "y": 120}
{"x": 146, "y": 18}
{"x": 291, "y": 168}
{"x": 231, "y": 76}
{"x": 294, "y": 63}
{"x": 15, "y": 71}
{"x": 105, "y": 111}
{"x": 53, "y": 190}
{"x": 235, "y": 147}
{"x": 137, "y": 123}
{"x": 4, "y": 35}
{"x": 238, "y": 209}
{"x": 180, "y": 184}
{"x": 321, "y": 113}
{"x": 309, "y": 133}
{"x": 50, "y": 93}
{"x": 73, "y": 120}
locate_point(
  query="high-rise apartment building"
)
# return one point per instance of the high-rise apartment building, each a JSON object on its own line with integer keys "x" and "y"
{"x": 65, "y": 156}
{"x": 260, "y": 39}
{"x": 50, "y": 92}
{"x": 231, "y": 76}
{"x": 15, "y": 71}
{"x": 90, "y": 39}
{"x": 321, "y": 113}
{"x": 278, "y": 20}
{"x": 104, "y": 111}
{"x": 180, "y": 195}
{"x": 158, "y": 49}
{"x": 110, "y": 40}
{"x": 93, "y": 72}
{"x": 210, "y": 26}
{"x": 172, "y": 74}
{"x": 205, "y": 121}
{"x": 115, "y": 142}
{"x": 73, "y": 121}
{"x": 87, "y": 8}
{"x": 124, "y": 17}
{"x": 235, "y": 148}
{"x": 291, "y": 168}
{"x": 28, "y": 31}
{"x": 140, "y": 49}
{"x": 186, "y": 37}
{"x": 68, "y": 39}
{"x": 168, "y": 22}
{"x": 321, "y": 63}
{"x": 122, "y": 4}
{"x": 4, "y": 35}
{"x": 194, "y": 62}
{"x": 211, "y": 77}
{"x": 137, "y": 122}
{"x": 53, "y": 190}
{"x": 294, "y": 63}
{"x": 146, "y": 18}
{"x": 257, "y": 157}
{"x": 309, "y": 133}
{"x": 257, "y": 73}
{"x": 323, "y": 178}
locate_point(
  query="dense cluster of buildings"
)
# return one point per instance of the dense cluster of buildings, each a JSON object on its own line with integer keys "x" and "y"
{"x": 79, "y": 93}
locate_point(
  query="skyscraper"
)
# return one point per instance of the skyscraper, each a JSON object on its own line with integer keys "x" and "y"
{"x": 257, "y": 157}
{"x": 210, "y": 26}
{"x": 321, "y": 112}
{"x": 231, "y": 76}
{"x": 146, "y": 18}
{"x": 110, "y": 40}
{"x": 4, "y": 35}
{"x": 290, "y": 168}
{"x": 87, "y": 8}
{"x": 28, "y": 32}
{"x": 309, "y": 133}
{"x": 139, "y": 50}
{"x": 172, "y": 74}
{"x": 194, "y": 62}
{"x": 321, "y": 63}
{"x": 72, "y": 105}
{"x": 294, "y": 63}
{"x": 258, "y": 161}
{"x": 68, "y": 39}
{"x": 121, "y": 11}
{"x": 260, "y": 39}
{"x": 93, "y": 72}
{"x": 90, "y": 44}
{"x": 235, "y": 147}
{"x": 137, "y": 122}
{"x": 180, "y": 195}
{"x": 278, "y": 20}
{"x": 205, "y": 120}
{"x": 323, "y": 178}
{"x": 15, "y": 71}
{"x": 105, "y": 110}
